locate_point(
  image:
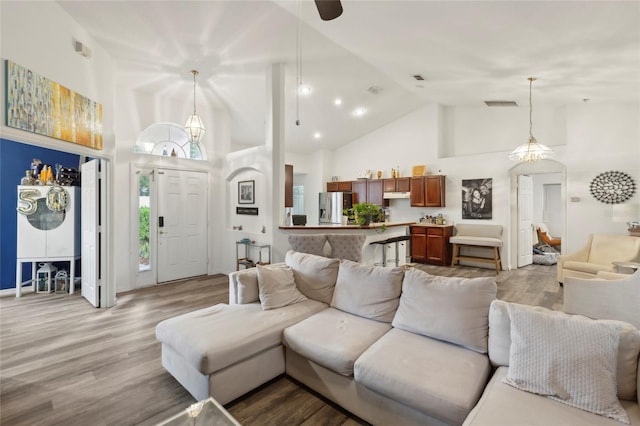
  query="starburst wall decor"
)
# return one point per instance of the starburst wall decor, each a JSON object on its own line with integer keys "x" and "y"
{"x": 612, "y": 187}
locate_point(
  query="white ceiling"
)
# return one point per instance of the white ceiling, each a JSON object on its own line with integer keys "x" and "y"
{"x": 467, "y": 51}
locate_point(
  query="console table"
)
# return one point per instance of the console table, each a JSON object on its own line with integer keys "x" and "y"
{"x": 245, "y": 260}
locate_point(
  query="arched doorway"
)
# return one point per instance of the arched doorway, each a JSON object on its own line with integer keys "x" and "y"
{"x": 538, "y": 168}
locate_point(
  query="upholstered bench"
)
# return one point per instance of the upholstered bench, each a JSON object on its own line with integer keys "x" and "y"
{"x": 477, "y": 236}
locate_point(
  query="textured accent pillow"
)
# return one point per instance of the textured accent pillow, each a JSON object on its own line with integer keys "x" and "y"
{"x": 247, "y": 286}
{"x": 315, "y": 276}
{"x": 568, "y": 358}
{"x": 368, "y": 291}
{"x": 452, "y": 309}
{"x": 277, "y": 287}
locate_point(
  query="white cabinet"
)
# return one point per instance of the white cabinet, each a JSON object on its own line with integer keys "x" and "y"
{"x": 48, "y": 226}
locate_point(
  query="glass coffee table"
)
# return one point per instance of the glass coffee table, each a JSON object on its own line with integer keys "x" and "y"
{"x": 208, "y": 412}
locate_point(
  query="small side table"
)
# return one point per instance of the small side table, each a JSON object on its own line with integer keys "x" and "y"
{"x": 626, "y": 267}
{"x": 246, "y": 261}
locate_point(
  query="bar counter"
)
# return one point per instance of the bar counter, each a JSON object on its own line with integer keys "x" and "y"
{"x": 336, "y": 227}
{"x": 374, "y": 232}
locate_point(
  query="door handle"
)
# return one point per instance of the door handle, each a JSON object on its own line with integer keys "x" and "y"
{"x": 162, "y": 232}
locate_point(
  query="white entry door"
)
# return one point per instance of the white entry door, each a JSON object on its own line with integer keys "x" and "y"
{"x": 182, "y": 224}
{"x": 525, "y": 217}
{"x": 90, "y": 231}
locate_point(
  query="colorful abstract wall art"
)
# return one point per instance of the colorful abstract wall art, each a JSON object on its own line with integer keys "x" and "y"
{"x": 39, "y": 105}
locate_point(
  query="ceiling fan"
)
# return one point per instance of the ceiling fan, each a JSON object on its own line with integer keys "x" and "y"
{"x": 329, "y": 9}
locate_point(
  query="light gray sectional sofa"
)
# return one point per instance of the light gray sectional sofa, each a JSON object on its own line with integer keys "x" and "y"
{"x": 392, "y": 346}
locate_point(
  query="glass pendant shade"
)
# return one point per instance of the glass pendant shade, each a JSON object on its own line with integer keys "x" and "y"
{"x": 532, "y": 150}
{"x": 193, "y": 126}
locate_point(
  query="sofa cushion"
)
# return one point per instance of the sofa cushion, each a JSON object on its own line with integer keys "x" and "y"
{"x": 437, "y": 378}
{"x": 503, "y": 405}
{"x": 368, "y": 291}
{"x": 452, "y": 309}
{"x": 628, "y": 347}
{"x": 582, "y": 374}
{"x": 334, "y": 339}
{"x": 589, "y": 268}
{"x": 315, "y": 276}
{"x": 222, "y": 335}
{"x": 277, "y": 287}
{"x": 611, "y": 248}
{"x": 248, "y": 286}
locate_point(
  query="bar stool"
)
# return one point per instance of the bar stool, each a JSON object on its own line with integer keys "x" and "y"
{"x": 385, "y": 243}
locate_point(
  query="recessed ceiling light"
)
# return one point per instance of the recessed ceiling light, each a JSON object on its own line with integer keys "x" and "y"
{"x": 304, "y": 90}
{"x": 317, "y": 135}
{"x": 359, "y": 112}
{"x": 338, "y": 101}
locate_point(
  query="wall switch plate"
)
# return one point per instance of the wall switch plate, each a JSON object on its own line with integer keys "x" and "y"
{"x": 575, "y": 199}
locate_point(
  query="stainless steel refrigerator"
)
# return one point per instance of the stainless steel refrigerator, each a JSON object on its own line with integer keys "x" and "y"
{"x": 331, "y": 206}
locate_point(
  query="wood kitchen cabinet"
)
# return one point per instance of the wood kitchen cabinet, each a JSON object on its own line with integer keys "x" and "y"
{"x": 428, "y": 191}
{"x": 430, "y": 244}
{"x": 374, "y": 192}
{"x": 341, "y": 186}
{"x": 359, "y": 190}
{"x": 396, "y": 184}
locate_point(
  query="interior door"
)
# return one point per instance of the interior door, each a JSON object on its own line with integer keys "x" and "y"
{"x": 525, "y": 217}
{"x": 90, "y": 228}
{"x": 182, "y": 224}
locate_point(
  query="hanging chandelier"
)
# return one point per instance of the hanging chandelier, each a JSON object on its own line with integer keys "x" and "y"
{"x": 532, "y": 150}
{"x": 194, "y": 127}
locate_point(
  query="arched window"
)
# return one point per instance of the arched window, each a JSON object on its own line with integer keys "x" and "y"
{"x": 168, "y": 139}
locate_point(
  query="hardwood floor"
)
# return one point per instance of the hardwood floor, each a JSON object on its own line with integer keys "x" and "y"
{"x": 65, "y": 362}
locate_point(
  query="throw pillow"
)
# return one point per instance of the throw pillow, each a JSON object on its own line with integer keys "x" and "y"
{"x": 568, "y": 358}
{"x": 315, "y": 276}
{"x": 451, "y": 309}
{"x": 247, "y": 281}
{"x": 368, "y": 291}
{"x": 277, "y": 287}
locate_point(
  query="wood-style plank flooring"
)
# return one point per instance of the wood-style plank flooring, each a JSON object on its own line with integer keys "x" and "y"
{"x": 63, "y": 362}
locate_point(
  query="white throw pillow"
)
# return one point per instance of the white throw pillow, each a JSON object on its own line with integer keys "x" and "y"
{"x": 568, "y": 358}
{"x": 277, "y": 287}
{"x": 368, "y": 291}
{"x": 451, "y": 309}
{"x": 315, "y": 276}
{"x": 247, "y": 281}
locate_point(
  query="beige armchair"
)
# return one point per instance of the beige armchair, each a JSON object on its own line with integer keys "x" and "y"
{"x": 609, "y": 296}
{"x": 598, "y": 255}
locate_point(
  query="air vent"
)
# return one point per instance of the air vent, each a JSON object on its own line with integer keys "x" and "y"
{"x": 374, "y": 89}
{"x": 501, "y": 103}
{"x": 418, "y": 77}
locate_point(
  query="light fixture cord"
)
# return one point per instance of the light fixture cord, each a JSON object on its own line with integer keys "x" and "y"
{"x": 530, "y": 111}
{"x": 194, "y": 90}
{"x": 298, "y": 64}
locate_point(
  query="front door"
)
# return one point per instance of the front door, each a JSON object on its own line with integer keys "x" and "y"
{"x": 525, "y": 217}
{"x": 182, "y": 224}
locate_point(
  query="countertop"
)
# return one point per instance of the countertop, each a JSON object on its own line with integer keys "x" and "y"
{"x": 430, "y": 225}
{"x": 350, "y": 227}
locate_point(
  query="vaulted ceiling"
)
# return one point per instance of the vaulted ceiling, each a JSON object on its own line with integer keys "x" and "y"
{"x": 467, "y": 51}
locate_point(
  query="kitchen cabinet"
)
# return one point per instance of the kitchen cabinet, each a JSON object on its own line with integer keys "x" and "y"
{"x": 428, "y": 191}
{"x": 430, "y": 244}
{"x": 288, "y": 185}
{"x": 359, "y": 190}
{"x": 396, "y": 184}
{"x": 341, "y": 186}
{"x": 374, "y": 192}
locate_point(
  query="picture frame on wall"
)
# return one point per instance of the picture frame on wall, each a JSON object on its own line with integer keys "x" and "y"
{"x": 247, "y": 192}
{"x": 477, "y": 202}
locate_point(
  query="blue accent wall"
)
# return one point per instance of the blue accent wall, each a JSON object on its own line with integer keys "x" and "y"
{"x": 15, "y": 158}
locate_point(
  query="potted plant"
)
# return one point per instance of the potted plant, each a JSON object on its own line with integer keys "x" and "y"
{"x": 365, "y": 213}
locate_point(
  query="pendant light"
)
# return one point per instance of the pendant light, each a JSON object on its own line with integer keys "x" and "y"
{"x": 194, "y": 126}
{"x": 531, "y": 151}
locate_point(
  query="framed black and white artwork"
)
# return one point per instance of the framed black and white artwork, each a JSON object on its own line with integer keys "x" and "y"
{"x": 247, "y": 192}
{"x": 477, "y": 198}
